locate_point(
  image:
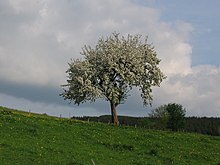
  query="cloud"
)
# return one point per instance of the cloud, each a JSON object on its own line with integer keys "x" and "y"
{"x": 197, "y": 91}
{"x": 38, "y": 39}
{"x": 52, "y": 32}
{"x": 49, "y": 109}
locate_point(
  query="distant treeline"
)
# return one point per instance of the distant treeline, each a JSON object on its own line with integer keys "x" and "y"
{"x": 203, "y": 125}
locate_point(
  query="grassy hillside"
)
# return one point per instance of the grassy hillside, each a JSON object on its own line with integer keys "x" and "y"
{"x": 27, "y": 138}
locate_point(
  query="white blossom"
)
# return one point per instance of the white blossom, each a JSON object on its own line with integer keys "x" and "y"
{"x": 112, "y": 68}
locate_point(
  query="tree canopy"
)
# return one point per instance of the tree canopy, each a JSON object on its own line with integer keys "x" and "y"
{"x": 176, "y": 117}
{"x": 111, "y": 69}
{"x": 171, "y": 116}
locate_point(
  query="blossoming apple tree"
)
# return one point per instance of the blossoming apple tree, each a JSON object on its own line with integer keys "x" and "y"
{"x": 111, "y": 69}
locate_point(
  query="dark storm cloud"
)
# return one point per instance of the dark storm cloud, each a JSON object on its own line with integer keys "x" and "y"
{"x": 45, "y": 94}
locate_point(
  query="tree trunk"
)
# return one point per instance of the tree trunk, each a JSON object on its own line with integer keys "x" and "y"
{"x": 114, "y": 114}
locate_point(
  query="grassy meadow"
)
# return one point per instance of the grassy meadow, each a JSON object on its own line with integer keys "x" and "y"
{"x": 27, "y": 138}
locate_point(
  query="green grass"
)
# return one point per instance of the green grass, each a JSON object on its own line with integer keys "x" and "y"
{"x": 27, "y": 138}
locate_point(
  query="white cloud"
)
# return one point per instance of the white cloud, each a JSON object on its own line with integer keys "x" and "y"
{"x": 38, "y": 38}
{"x": 197, "y": 91}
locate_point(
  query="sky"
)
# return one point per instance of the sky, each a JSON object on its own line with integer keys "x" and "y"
{"x": 38, "y": 39}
